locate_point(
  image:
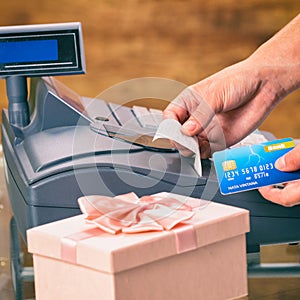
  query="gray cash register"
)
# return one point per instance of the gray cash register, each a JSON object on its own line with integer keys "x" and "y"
{"x": 59, "y": 146}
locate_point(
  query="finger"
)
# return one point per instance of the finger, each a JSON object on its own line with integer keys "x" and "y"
{"x": 176, "y": 112}
{"x": 288, "y": 196}
{"x": 205, "y": 149}
{"x": 290, "y": 161}
{"x": 199, "y": 119}
{"x": 178, "y": 108}
{"x": 191, "y": 127}
{"x": 212, "y": 139}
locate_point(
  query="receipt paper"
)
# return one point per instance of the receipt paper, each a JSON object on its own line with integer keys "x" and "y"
{"x": 171, "y": 129}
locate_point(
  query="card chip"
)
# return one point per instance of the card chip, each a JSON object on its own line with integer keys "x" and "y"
{"x": 229, "y": 165}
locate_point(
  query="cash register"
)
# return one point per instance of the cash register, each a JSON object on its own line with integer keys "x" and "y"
{"x": 59, "y": 145}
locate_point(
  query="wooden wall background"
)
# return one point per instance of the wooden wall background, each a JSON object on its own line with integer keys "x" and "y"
{"x": 176, "y": 39}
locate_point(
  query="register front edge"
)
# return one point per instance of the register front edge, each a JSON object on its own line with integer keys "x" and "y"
{"x": 59, "y": 156}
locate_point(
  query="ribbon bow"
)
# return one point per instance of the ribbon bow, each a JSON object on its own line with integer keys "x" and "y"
{"x": 130, "y": 214}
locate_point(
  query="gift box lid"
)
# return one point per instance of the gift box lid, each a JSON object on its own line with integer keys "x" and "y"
{"x": 76, "y": 241}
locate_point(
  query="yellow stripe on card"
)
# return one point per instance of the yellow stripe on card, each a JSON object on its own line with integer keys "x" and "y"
{"x": 279, "y": 146}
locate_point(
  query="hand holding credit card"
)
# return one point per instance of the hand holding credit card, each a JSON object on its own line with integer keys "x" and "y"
{"x": 253, "y": 166}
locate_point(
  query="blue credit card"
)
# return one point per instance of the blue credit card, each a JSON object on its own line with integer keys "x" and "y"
{"x": 251, "y": 167}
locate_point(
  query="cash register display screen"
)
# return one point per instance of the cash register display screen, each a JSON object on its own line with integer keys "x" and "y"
{"x": 28, "y": 51}
{"x": 48, "y": 53}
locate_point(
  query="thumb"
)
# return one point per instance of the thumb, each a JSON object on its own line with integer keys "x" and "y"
{"x": 191, "y": 127}
{"x": 290, "y": 161}
{"x": 199, "y": 117}
{"x": 198, "y": 121}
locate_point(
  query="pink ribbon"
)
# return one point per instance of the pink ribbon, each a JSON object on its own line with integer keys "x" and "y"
{"x": 129, "y": 214}
{"x": 69, "y": 243}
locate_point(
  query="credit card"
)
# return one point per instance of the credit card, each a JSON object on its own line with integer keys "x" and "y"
{"x": 251, "y": 167}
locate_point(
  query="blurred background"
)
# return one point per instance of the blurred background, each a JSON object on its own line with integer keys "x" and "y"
{"x": 181, "y": 40}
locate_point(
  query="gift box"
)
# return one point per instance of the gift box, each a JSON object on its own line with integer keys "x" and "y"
{"x": 202, "y": 255}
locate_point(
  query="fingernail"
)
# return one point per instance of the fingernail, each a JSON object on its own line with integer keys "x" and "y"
{"x": 189, "y": 126}
{"x": 280, "y": 163}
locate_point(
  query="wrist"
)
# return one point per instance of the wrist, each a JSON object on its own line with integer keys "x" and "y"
{"x": 278, "y": 77}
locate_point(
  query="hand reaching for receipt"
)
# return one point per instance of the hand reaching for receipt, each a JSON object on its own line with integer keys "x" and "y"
{"x": 227, "y": 106}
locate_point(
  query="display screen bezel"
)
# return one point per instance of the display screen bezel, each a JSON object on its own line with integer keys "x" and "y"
{"x": 70, "y": 58}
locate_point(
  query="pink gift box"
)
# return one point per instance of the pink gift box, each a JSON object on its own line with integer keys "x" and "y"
{"x": 203, "y": 260}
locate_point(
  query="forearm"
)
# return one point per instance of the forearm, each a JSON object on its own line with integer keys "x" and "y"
{"x": 278, "y": 60}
